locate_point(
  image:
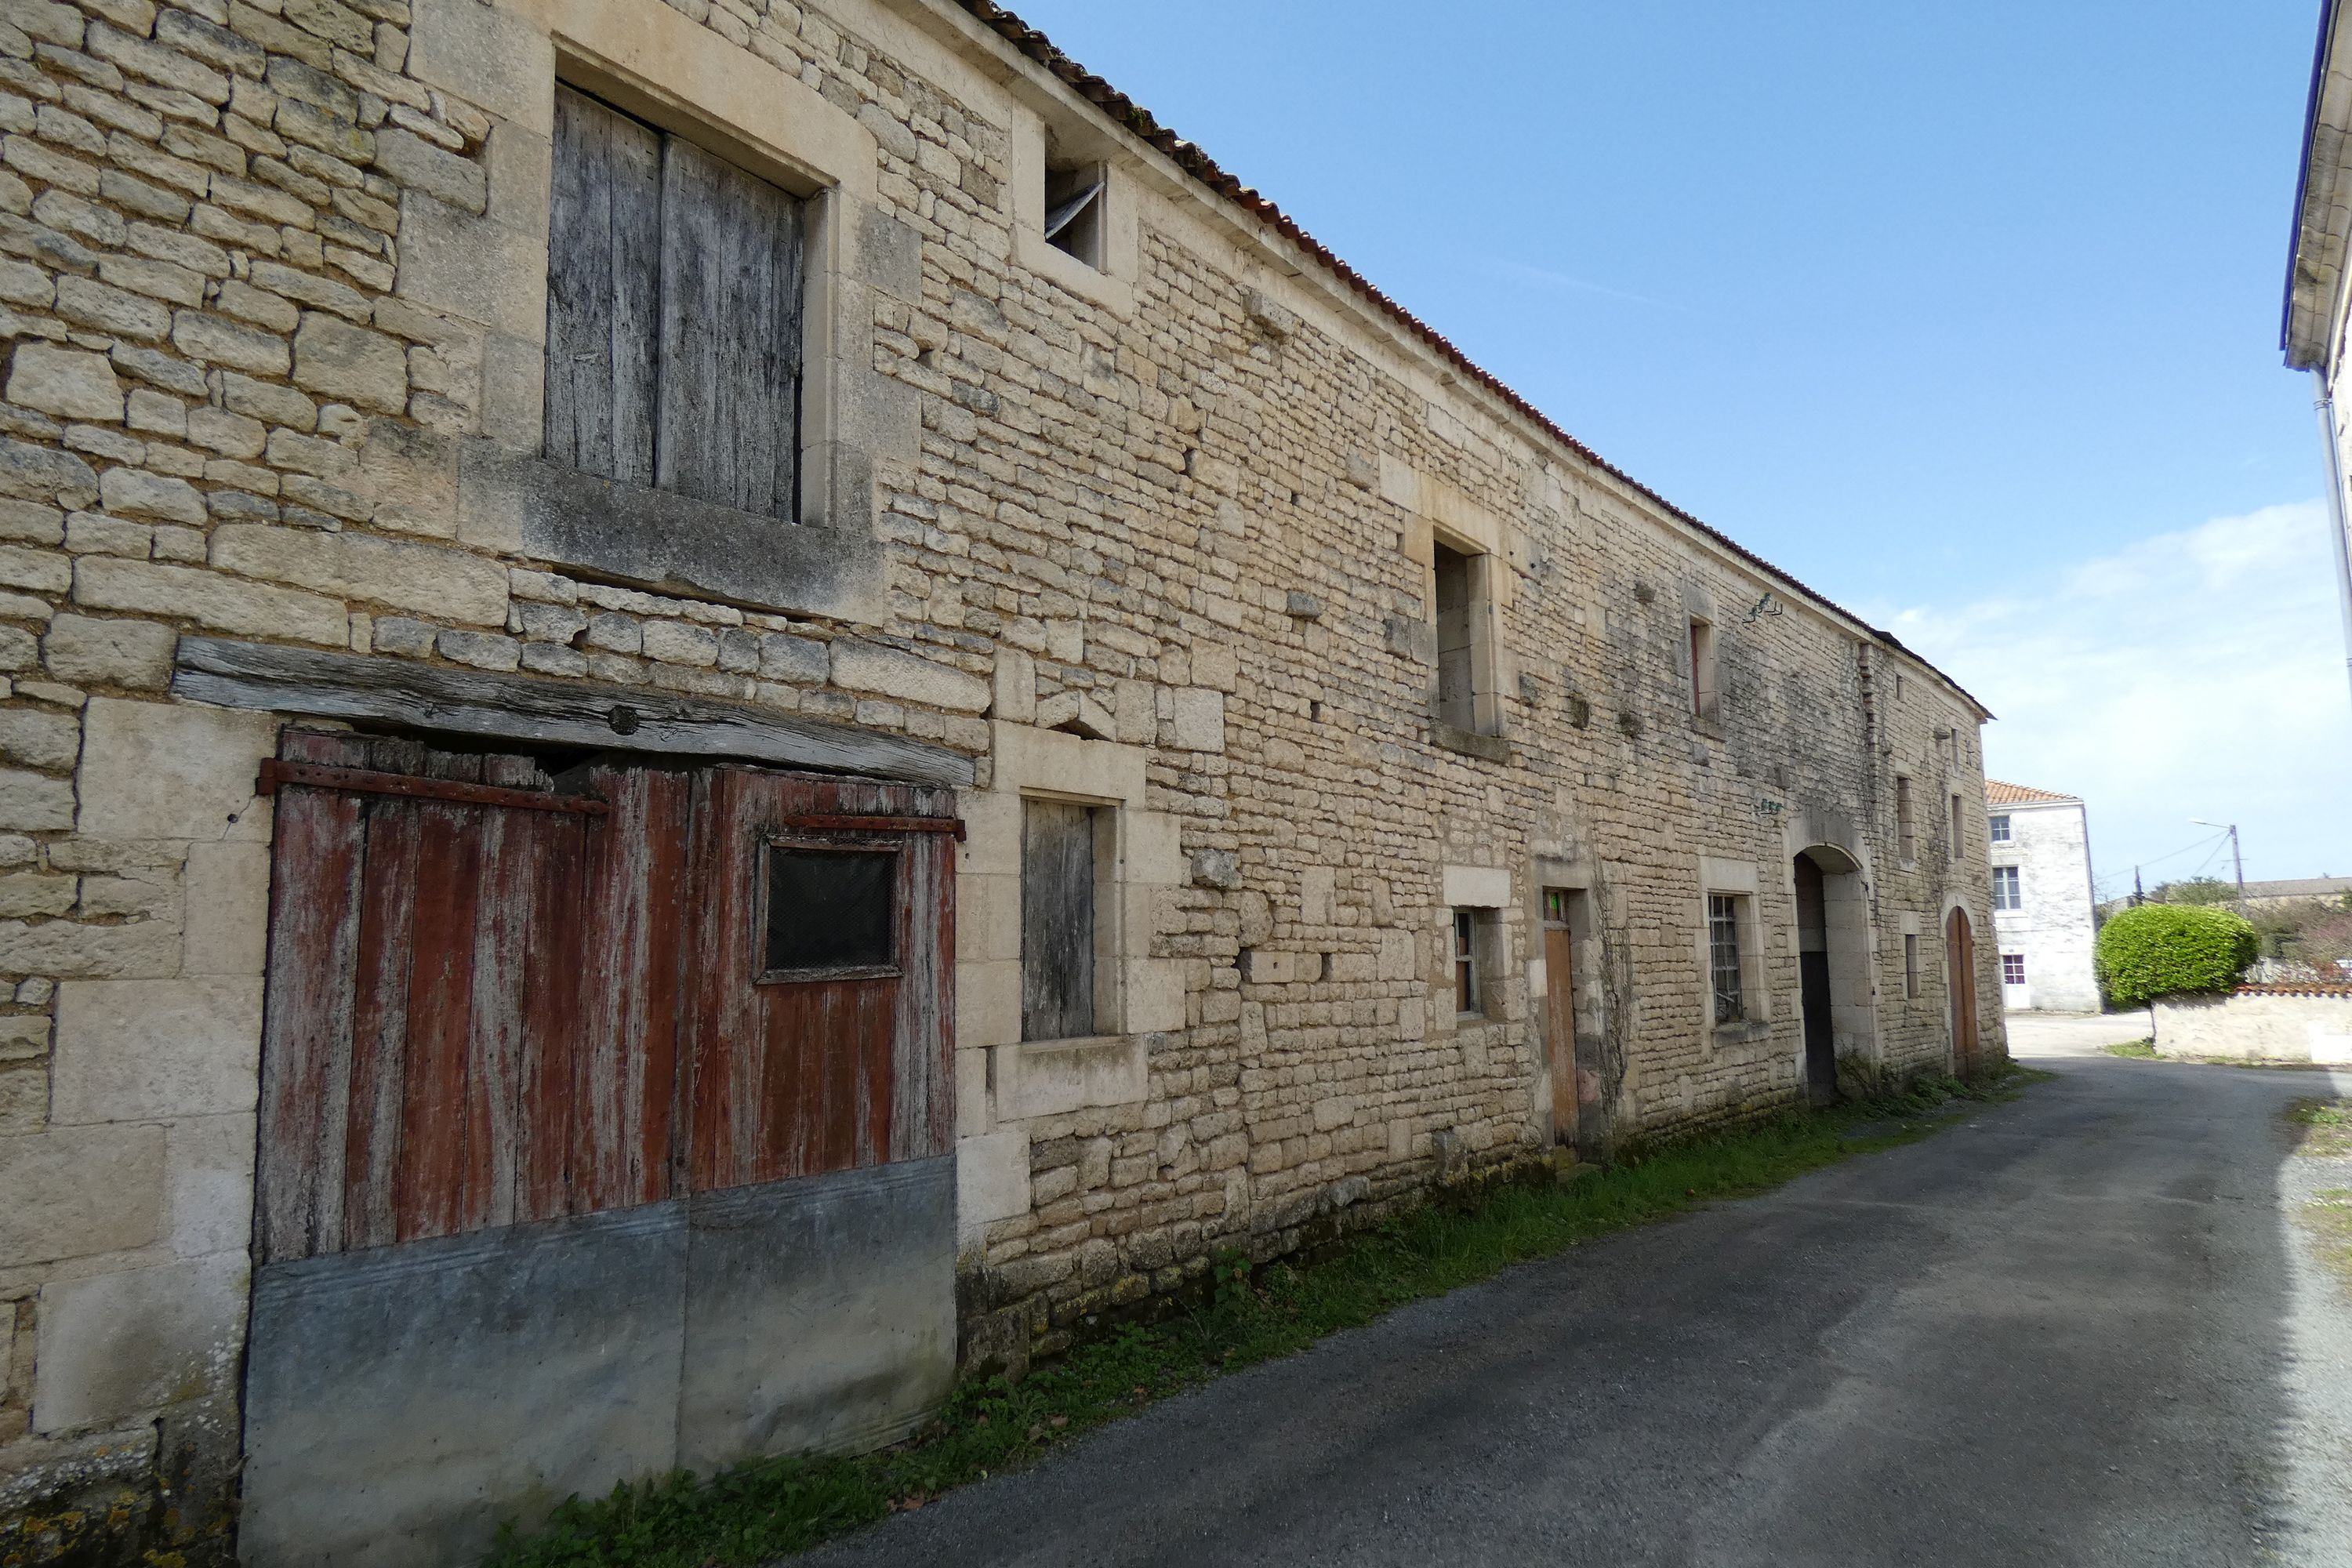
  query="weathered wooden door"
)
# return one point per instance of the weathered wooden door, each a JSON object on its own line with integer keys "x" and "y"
{"x": 1559, "y": 1015}
{"x": 1960, "y": 978}
{"x": 607, "y": 1126}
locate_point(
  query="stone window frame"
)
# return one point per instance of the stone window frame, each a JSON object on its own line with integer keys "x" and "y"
{"x": 1700, "y": 659}
{"x": 1041, "y": 139}
{"x": 1000, "y": 1078}
{"x": 1956, "y": 835}
{"x": 1739, "y": 881}
{"x": 654, "y": 64}
{"x": 1483, "y": 892}
{"x": 1438, "y": 513}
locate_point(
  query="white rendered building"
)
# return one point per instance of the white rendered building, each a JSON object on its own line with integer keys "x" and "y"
{"x": 2041, "y": 898}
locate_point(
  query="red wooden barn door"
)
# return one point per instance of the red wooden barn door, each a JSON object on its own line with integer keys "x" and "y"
{"x": 497, "y": 997}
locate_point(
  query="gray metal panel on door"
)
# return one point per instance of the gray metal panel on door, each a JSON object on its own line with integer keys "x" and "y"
{"x": 402, "y": 1400}
{"x": 855, "y": 1271}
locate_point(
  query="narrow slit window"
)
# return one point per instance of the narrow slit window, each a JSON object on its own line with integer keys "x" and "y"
{"x": 829, "y": 911}
{"x": 1906, "y": 839}
{"x": 1723, "y": 957}
{"x": 1910, "y": 966}
{"x": 1074, "y": 195}
{"x": 1953, "y": 823}
{"x": 1466, "y": 998}
{"x": 1706, "y": 697}
{"x": 1458, "y": 611}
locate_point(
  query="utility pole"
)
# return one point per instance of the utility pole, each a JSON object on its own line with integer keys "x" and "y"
{"x": 2236, "y": 858}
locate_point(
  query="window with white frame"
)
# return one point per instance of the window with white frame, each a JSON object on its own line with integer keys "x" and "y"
{"x": 1475, "y": 932}
{"x": 1997, "y": 829}
{"x": 2012, "y": 969}
{"x": 1723, "y": 958}
{"x": 2005, "y": 888}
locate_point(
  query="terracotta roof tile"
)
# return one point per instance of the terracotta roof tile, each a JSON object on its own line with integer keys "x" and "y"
{"x": 1188, "y": 156}
{"x": 2000, "y": 794}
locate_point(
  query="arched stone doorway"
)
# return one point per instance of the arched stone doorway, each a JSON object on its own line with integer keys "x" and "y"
{"x": 1960, "y": 979}
{"x": 1833, "y": 965}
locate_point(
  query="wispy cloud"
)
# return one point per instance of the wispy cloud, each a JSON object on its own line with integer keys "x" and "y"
{"x": 1564, "y": 282}
{"x": 2191, "y": 674}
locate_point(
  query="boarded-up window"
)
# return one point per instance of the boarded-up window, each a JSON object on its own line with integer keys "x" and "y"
{"x": 1060, "y": 997}
{"x": 673, "y": 315}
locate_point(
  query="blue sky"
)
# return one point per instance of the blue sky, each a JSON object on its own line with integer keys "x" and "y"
{"x": 1967, "y": 316}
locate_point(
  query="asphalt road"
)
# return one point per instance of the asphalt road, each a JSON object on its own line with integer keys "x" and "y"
{"x": 2074, "y": 1329}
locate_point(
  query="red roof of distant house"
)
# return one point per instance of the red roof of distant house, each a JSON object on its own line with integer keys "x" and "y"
{"x": 2000, "y": 794}
{"x": 1188, "y": 156}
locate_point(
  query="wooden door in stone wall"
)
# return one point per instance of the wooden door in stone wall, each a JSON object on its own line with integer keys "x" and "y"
{"x": 1560, "y": 1017}
{"x": 1960, "y": 978}
{"x": 606, "y": 1127}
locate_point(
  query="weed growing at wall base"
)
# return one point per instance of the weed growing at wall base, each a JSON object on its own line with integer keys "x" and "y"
{"x": 767, "y": 1508}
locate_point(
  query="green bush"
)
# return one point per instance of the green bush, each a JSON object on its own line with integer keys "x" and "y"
{"x": 2164, "y": 950}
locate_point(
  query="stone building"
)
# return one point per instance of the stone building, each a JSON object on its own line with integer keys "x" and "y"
{"x": 2043, "y": 903}
{"x": 710, "y": 707}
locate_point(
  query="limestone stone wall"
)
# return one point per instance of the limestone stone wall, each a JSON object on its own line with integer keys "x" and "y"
{"x": 2283, "y": 1023}
{"x": 272, "y": 283}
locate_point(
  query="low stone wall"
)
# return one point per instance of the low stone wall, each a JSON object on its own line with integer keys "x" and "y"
{"x": 2272, "y": 1023}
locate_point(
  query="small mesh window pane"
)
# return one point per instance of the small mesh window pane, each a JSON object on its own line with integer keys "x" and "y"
{"x": 1723, "y": 956}
{"x": 829, "y": 908}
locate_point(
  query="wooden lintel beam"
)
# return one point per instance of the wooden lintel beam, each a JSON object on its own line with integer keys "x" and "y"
{"x": 533, "y": 708}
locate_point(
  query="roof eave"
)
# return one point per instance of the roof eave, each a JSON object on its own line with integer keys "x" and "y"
{"x": 2314, "y": 251}
{"x": 1191, "y": 160}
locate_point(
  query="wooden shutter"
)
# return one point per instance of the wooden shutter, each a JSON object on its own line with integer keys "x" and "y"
{"x": 604, "y": 291}
{"x": 730, "y": 424}
{"x": 1057, "y": 921}
{"x": 673, "y": 315}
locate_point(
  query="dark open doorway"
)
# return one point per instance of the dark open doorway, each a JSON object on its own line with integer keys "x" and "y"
{"x": 1813, "y": 984}
{"x": 1832, "y": 966}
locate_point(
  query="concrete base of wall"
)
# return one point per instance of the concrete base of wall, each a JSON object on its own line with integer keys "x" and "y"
{"x": 402, "y": 1400}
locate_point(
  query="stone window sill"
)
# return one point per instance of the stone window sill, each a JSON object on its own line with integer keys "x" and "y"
{"x": 1053, "y": 1078}
{"x": 665, "y": 543}
{"x": 1707, "y": 724}
{"x": 1469, "y": 743}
